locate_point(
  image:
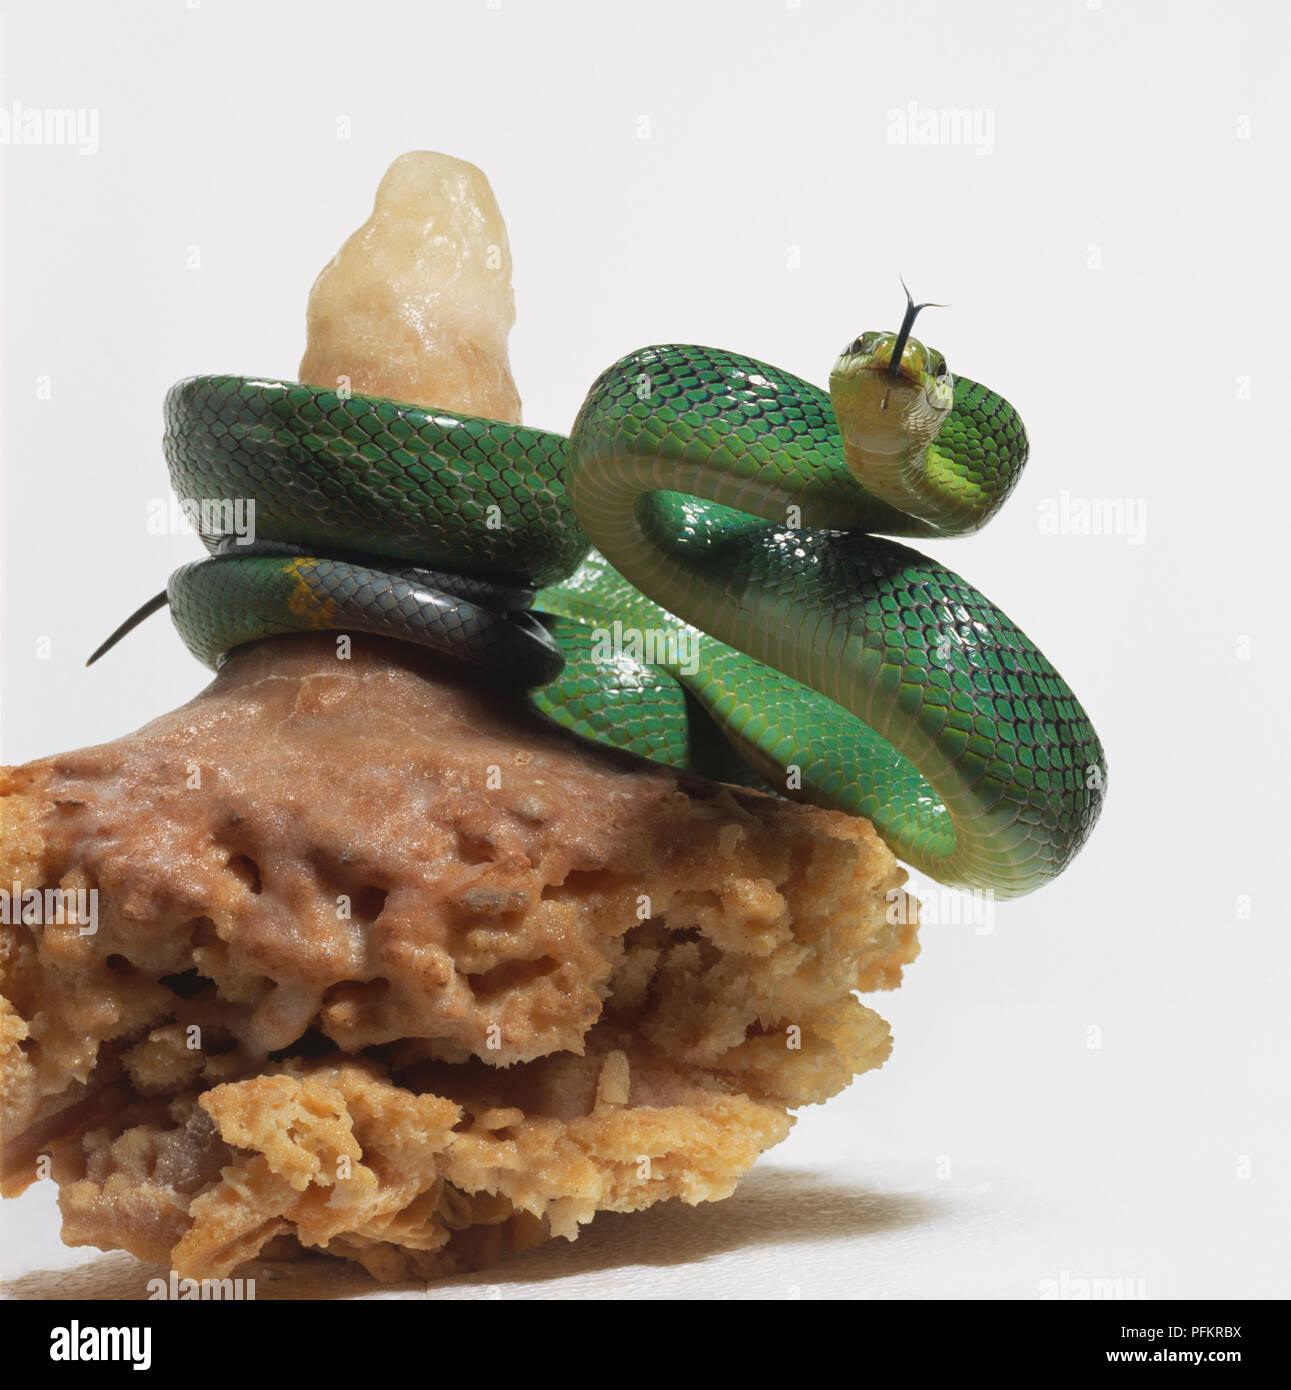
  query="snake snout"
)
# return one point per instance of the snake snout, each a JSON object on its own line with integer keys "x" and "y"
{"x": 877, "y": 352}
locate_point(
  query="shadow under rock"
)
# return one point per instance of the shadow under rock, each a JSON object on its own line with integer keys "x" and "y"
{"x": 771, "y": 1206}
{"x": 118, "y": 1277}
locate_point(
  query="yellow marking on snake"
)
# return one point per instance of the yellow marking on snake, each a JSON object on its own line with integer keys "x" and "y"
{"x": 307, "y": 603}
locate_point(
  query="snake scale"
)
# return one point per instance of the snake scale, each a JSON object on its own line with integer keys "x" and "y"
{"x": 742, "y": 614}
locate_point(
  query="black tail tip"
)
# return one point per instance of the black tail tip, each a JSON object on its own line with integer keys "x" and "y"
{"x": 146, "y": 611}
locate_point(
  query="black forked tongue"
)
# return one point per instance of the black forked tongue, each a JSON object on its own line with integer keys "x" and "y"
{"x": 157, "y": 601}
{"x": 907, "y": 323}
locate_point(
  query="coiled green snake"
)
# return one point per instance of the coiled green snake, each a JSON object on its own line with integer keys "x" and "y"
{"x": 739, "y": 617}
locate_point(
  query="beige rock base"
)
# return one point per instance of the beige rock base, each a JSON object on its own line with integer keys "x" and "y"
{"x": 387, "y": 966}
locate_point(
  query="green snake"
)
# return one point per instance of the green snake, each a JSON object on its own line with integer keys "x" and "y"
{"x": 741, "y": 615}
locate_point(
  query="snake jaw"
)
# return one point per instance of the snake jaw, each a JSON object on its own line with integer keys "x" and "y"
{"x": 909, "y": 369}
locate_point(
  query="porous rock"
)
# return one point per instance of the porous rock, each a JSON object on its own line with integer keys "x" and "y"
{"x": 369, "y": 908}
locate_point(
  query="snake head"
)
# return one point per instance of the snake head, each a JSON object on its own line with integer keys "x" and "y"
{"x": 890, "y": 394}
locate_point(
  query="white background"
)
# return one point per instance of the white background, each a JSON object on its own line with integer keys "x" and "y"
{"x": 1116, "y": 265}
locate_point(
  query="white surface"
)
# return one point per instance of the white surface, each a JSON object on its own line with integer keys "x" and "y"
{"x": 1117, "y": 127}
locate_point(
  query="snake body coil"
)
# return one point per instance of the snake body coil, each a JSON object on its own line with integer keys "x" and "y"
{"x": 738, "y": 617}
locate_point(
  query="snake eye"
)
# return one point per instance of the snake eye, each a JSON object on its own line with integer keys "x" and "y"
{"x": 940, "y": 369}
{"x": 857, "y": 347}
